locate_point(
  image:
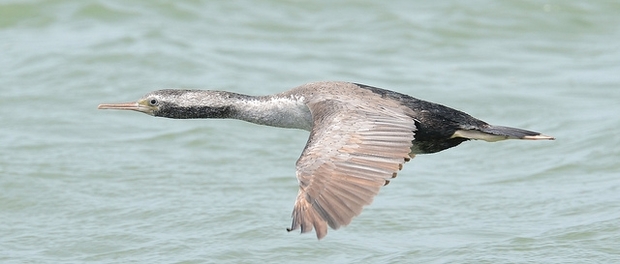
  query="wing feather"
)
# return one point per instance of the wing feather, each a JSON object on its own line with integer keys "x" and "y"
{"x": 353, "y": 150}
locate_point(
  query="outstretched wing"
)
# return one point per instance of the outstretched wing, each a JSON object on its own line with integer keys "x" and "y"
{"x": 352, "y": 151}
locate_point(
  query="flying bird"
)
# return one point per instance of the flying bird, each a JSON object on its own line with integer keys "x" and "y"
{"x": 360, "y": 137}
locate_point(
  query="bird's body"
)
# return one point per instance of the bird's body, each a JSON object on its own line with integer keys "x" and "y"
{"x": 360, "y": 137}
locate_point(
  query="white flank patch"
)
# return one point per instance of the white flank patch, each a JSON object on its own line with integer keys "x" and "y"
{"x": 473, "y": 134}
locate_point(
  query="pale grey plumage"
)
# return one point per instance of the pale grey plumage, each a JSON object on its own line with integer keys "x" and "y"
{"x": 360, "y": 137}
{"x": 357, "y": 150}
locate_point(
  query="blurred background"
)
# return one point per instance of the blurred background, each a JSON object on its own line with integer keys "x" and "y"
{"x": 81, "y": 185}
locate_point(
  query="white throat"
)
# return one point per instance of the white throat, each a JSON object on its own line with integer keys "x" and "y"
{"x": 279, "y": 111}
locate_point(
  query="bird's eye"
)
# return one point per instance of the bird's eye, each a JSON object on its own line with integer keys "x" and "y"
{"x": 153, "y": 102}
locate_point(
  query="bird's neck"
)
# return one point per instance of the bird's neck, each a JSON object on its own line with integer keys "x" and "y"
{"x": 287, "y": 111}
{"x": 281, "y": 110}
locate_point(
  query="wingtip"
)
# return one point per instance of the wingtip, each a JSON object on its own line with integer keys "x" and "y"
{"x": 320, "y": 233}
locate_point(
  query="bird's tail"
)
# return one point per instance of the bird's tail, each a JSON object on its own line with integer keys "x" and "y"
{"x": 497, "y": 133}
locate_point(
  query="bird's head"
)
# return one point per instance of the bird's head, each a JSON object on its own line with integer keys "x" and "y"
{"x": 179, "y": 104}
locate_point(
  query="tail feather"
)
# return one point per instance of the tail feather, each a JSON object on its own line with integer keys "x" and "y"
{"x": 515, "y": 133}
{"x": 497, "y": 133}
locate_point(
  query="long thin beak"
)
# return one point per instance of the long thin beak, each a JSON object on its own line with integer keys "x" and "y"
{"x": 122, "y": 106}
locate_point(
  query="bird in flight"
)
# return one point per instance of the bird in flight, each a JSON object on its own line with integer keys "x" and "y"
{"x": 360, "y": 137}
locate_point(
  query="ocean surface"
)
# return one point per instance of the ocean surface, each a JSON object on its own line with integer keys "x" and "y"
{"x": 81, "y": 185}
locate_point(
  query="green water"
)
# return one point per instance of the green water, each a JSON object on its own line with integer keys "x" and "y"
{"x": 82, "y": 185}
